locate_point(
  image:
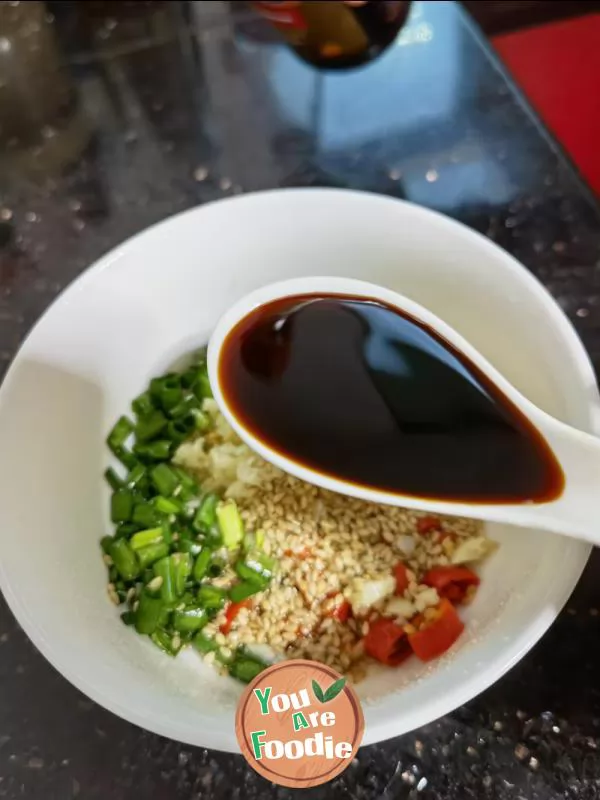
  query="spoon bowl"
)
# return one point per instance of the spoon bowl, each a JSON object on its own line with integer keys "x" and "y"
{"x": 570, "y": 512}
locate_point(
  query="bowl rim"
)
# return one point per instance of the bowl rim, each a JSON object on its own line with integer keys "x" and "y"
{"x": 454, "y": 696}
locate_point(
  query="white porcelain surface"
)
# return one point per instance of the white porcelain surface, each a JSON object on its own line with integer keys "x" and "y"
{"x": 159, "y": 295}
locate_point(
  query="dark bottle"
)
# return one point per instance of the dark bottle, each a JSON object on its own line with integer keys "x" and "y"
{"x": 337, "y": 35}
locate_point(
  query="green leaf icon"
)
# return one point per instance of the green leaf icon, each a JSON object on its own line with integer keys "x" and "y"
{"x": 333, "y": 691}
{"x": 318, "y": 692}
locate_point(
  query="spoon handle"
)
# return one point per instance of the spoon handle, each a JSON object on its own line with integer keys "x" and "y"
{"x": 576, "y": 512}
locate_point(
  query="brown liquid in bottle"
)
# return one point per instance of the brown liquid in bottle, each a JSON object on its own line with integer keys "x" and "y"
{"x": 358, "y": 390}
{"x": 337, "y": 35}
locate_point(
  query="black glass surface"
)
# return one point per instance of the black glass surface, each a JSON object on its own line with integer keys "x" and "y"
{"x": 116, "y": 115}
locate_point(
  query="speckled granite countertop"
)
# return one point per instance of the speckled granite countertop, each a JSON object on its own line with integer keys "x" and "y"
{"x": 114, "y": 117}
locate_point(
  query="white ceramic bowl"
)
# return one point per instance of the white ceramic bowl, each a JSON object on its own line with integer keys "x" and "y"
{"x": 148, "y": 302}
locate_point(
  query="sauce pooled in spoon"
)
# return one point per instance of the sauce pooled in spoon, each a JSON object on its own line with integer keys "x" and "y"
{"x": 360, "y": 391}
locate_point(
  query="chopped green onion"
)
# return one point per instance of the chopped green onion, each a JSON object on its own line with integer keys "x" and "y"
{"x": 165, "y": 568}
{"x": 185, "y": 535}
{"x": 145, "y": 515}
{"x": 222, "y": 658}
{"x": 201, "y": 564}
{"x": 202, "y": 387}
{"x": 106, "y": 544}
{"x": 121, "y": 505}
{"x": 190, "y": 619}
{"x": 230, "y": 524}
{"x": 125, "y": 530}
{"x": 167, "y": 505}
{"x": 153, "y": 586}
{"x": 241, "y": 591}
{"x": 183, "y": 569}
{"x": 174, "y": 570}
{"x": 257, "y": 565}
{"x": 245, "y": 669}
{"x": 216, "y": 567}
{"x": 148, "y": 613}
{"x": 187, "y": 482}
{"x": 170, "y": 644}
{"x": 167, "y": 391}
{"x": 151, "y": 553}
{"x": 145, "y": 538}
{"x": 126, "y": 457}
{"x": 213, "y": 538}
{"x": 201, "y": 420}
{"x": 247, "y": 574}
{"x": 165, "y": 479}
{"x": 206, "y": 516}
{"x": 165, "y": 617}
{"x": 187, "y": 599}
{"x": 121, "y": 431}
{"x": 147, "y": 575}
{"x": 124, "y": 559}
{"x": 159, "y": 450}
{"x": 149, "y": 426}
{"x": 186, "y": 545}
{"x": 143, "y": 405}
{"x": 211, "y": 597}
{"x": 258, "y": 568}
{"x": 171, "y": 397}
{"x": 177, "y": 431}
{"x": 187, "y": 404}
{"x": 137, "y": 478}
{"x": 188, "y": 378}
{"x": 113, "y": 479}
{"x": 167, "y": 532}
{"x": 128, "y": 618}
{"x": 204, "y": 644}
{"x": 188, "y": 422}
{"x": 254, "y": 541}
{"x": 156, "y": 384}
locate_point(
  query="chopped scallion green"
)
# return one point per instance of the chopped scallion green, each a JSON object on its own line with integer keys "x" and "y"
{"x": 113, "y": 479}
{"x": 149, "y": 426}
{"x": 230, "y": 524}
{"x": 121, "y": 505}
{"x": 121, "y": 431}
{"x": 124, "y": 559}
{"x": 165, "y": 479}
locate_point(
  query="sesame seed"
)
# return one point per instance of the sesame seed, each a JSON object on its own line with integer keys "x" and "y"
{"x": 155, "y": 584}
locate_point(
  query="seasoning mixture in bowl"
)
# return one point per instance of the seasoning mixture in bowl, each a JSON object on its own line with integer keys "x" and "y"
{"x": 217, "y": 549}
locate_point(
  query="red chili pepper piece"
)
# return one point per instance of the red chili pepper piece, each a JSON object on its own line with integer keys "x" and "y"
{"x": 437, "y": 635}
{"x": 451, "y": 582}
{"x": 233, "y": 609}
{"x": 387, "y": 642}
{"x": 427, "y": 525}
{"x": 401, "y": 578}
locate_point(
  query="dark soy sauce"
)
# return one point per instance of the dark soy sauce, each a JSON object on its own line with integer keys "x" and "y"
{"x": 358, "y": 390}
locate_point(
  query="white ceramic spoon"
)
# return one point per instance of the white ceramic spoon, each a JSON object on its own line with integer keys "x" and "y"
{"x": 576, "y": 512}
